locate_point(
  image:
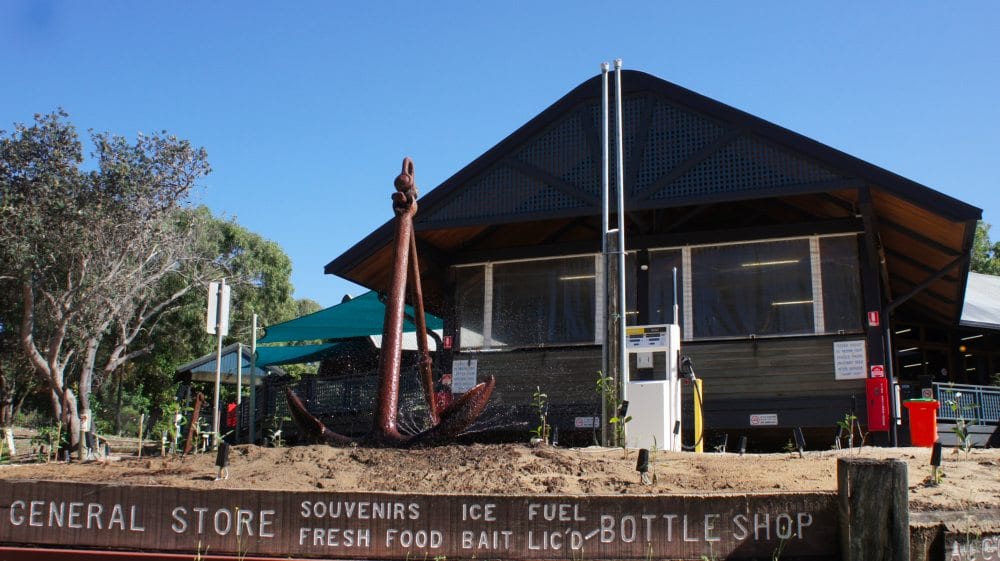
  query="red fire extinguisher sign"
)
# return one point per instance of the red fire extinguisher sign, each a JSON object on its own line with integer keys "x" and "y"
{"x": 873, "y": 319}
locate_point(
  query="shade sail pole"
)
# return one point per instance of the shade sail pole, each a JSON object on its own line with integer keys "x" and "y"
{"x": 605, "y": 183}
{"x": 253, "y": 383}
{"x": 620, "y": 172}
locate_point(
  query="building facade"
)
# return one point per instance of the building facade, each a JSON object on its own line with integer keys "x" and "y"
{"x": 788, "y": 261}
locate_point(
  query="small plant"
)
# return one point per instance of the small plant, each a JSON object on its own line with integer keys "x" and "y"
{"x": 52, "y": 439}
{"x": 782, "y": 542}
{"x": 169, "y": 425}
{"x": 274, "y": 435}
{"x": 790, "y": 447}
{"x": 849, "y": 425}
{"x": 608, "y": 391}
{"x": 963, "y": 440}
{"x": 540, "y": 401}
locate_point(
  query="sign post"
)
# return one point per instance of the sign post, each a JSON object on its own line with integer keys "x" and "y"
{"x": 217, "y": 324}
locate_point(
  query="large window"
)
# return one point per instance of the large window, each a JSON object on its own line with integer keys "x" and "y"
{"x": 662, "y": 265}
{"x": 470, "y": 294}
{"x": 801, "y": 286}
{"x": 529, "y": 303}
{"x": 841, "y": 290}
{"x": 752, "y": 289}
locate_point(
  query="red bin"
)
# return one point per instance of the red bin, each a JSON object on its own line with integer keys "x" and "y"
{"x": 923, "y": 421}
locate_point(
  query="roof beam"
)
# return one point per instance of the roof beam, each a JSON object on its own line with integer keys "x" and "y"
{"x": 557, "y": 183}
{"x": 639, "y": 144}
{"x": 921, "y": 239}
{"x": 897, "y": 256}
{"x": 482, "y": 235}
{"x": 687, "y": 217}
{"x": 686, "y": 166}
{"x": 960, "y": 260}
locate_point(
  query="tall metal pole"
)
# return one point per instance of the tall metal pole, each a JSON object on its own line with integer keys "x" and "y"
{"x": 620, "y": 172}
{"x": 253, "y": 383}
{"x": 605, "y": 183}
{"x": 677, "y": 315}
{"x": 218, "y": 360}
{"x": 239, "y": 374}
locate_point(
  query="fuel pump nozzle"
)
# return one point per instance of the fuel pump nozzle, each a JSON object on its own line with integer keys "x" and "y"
{"x": 686, "y": 370}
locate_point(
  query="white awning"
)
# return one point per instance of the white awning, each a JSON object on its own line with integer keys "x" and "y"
{"x": 982, "y": 302}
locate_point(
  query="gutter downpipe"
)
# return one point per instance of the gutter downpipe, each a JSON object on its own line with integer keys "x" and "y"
{"x": 605, "y": 182}
{"x": 622, "y": 310}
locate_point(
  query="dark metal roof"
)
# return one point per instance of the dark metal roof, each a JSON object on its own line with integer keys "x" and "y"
{"x": 691, "y": 162}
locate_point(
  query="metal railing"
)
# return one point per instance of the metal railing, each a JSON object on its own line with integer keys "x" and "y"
{"x": 972, "y": 403}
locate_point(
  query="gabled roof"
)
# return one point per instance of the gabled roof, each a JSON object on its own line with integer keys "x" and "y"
{"x": 235, "y": 361}
{"x": 683, "y": 153}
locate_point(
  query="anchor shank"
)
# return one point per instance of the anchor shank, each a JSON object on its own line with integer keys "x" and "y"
{"x": 390, "y": 355}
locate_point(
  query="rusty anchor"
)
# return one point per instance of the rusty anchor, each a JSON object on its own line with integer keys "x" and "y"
{"x": 446, "y": 423}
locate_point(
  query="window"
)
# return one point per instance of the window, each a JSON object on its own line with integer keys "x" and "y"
{"x": 752, "y": 289}
{"x": 531, "y": 303}
{"x": 841, "y": 289}
{"x": 661, "y": 285}
{"x": 770, "y": 288}
{"x": 471, "y": 298}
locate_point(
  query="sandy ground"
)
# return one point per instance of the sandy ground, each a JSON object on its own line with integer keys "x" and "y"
{"x": 970, "y": 481}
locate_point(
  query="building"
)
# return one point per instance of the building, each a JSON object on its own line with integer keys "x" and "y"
{"x": 793, "y": 259}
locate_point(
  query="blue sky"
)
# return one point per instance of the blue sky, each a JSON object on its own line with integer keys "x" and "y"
{"x": 307, "y": 108}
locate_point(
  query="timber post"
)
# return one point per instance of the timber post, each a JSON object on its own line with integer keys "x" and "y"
{"x": 873, "y": 510}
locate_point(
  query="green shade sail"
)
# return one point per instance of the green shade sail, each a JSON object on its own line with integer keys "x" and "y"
{"x": 293, "y": 354}
{"x": 359, "y": 317}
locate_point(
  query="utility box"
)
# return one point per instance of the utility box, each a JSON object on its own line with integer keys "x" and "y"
{"x": 652, "y": 387}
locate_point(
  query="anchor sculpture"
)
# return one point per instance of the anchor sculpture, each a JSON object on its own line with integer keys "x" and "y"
{"x": 446, "y": 423}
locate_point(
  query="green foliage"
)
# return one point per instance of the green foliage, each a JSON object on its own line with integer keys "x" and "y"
{"x": 962, "y": 437}
{"x": 76, "y": 236}
{"x": 540, "y": 402}
{"x": 608, "y": 391}
{"x": 53, "y": 438}
{"x": 165, "y": 424}
{"x": 849, "y": 426}
{"x": 275, "y": 432}
{"x": 790, "y": 447}
{"x": 985, "y": 253}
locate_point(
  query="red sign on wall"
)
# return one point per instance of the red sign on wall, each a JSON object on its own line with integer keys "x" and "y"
{"x": 878, "y": 371}
{"x": 873, "y": 319}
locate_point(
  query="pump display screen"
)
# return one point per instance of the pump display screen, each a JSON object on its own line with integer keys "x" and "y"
{"x": 646, "y": 336}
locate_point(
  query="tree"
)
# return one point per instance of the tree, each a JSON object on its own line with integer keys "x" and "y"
{"x": 90, "y": 252}
{"x": 985, "y": 254}
{"x": 17, "y": 380}
{"x": 258, "y": 271}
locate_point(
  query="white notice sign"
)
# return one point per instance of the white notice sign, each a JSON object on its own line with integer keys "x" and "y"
{"x": 463, "y": 375}
{"x": 849, "y": 360}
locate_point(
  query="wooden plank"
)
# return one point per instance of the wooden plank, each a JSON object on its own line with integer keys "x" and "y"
{"x": 407, "y": 526}
{"x": 873, "y": 529}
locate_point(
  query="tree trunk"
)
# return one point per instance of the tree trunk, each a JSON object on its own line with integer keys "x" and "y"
{"x": 118, "y": 405}
{"x": 71, "y": 420}
{"x": 7, "y": 410}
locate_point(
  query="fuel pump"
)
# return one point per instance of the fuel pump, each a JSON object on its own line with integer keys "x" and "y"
{"x": 653, "y": 387}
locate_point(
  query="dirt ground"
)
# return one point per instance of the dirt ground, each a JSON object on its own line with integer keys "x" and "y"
{"x": 970, "y": 481}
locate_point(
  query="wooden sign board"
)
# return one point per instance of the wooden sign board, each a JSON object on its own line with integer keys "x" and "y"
{"x": 971, "y": 546}
{"x": 404, "y": 526}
